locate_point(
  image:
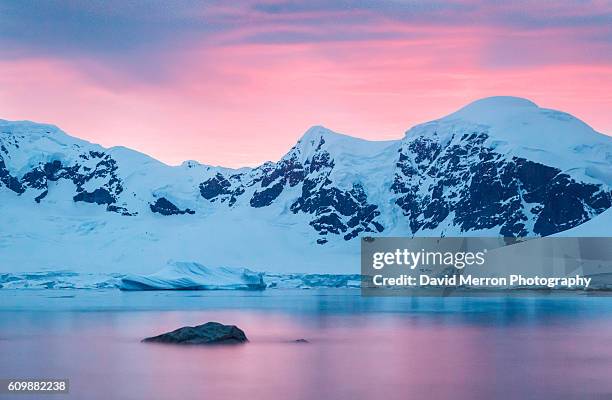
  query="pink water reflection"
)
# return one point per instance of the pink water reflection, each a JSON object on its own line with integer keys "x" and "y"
{"x": 362, "y": 356}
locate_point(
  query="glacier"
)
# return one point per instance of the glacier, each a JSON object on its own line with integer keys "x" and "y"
{"x": 61, "y": 279}
{"x": 196, "y": 277}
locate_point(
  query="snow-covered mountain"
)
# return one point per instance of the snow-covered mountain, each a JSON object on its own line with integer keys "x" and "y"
{"x": 499, "y": 166}
{"x": 600, "y": 226}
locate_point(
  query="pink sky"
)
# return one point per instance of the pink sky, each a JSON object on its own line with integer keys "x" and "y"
{"x": 233, "y": 97}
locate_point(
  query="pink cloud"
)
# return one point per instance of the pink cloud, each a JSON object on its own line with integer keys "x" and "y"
{"x": 242, "y": 104}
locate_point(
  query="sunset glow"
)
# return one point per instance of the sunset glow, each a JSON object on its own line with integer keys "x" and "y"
{"x": 238, "y": 84}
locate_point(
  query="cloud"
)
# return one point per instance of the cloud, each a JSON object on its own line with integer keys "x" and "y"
{"x": 129, "y": 30}
{"x": 199, "y": 79}
{"x": 118, "y": 43}
{"x": 139, "y": 38}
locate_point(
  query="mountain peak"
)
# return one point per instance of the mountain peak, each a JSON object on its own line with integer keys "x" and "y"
{"x": 318, "y": 131}
{"x": 495, "y": 108}
{"x": 502, "y": 102}
{"x": 518, "y": 126}
{"x": 514, "y": 117}
{"x": 190, "y": 164}
{"x": 318, "y": 137}
{"x": 32, "y": 130}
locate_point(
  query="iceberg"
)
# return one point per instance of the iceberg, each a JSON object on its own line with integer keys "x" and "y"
{"x": 193, "y": 276}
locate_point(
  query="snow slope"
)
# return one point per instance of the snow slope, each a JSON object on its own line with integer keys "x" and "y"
{"x": 500, "y": 166}
{"x": 600, "y": 226}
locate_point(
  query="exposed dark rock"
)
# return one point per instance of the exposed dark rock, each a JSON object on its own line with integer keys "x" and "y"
{"x": 166, "y": 207}
{"x": 207, "y": 334}
{"x": 468, "y": 181}
{"x": 321, "y": 160}
{"x": 120, "y": 210}
{"x": 98, "y": 196}
{"x": 454, "y": 179}
{"x": 337, "y": 211}
{"x": 267, "y": 196}
{"x": 288, "y": 170}
{"x": 38, "y": 178}
{"x": 41, "y": 196}
{"x": 8, "y": 180}
{"x": 214, "y": 187}
{"x": 275, "y": 177}
{"x": 221, "y": 188}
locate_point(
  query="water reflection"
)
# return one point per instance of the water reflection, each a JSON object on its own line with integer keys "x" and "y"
{"x": 418, "y": 348}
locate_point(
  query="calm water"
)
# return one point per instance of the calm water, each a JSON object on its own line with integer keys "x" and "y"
{"x": 360, "y": 348}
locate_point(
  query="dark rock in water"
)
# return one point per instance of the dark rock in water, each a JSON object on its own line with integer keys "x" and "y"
{"x": 208, "y": 333}
{"x": 301, "y": 341}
